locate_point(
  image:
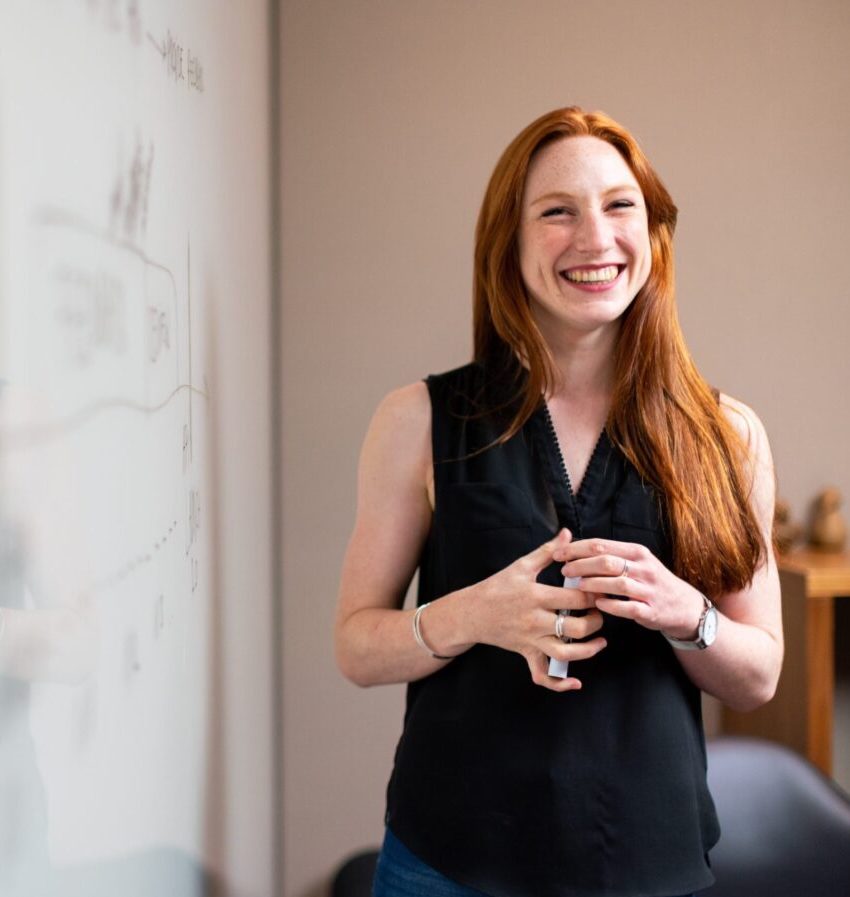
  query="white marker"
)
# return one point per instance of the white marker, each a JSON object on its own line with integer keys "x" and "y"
{"x": 559, "y": 668}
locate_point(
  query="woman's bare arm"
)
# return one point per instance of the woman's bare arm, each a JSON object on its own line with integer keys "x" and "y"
{"x": 374, "y": 641}
{"x": 742, "y": 666}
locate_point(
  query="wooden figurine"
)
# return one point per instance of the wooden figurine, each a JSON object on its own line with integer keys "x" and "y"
{"x": 785, "y": 531}
{"x": 829, "y": 531}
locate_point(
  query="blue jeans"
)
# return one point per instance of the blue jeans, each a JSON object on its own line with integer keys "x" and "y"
{"x": 401, "y": 874}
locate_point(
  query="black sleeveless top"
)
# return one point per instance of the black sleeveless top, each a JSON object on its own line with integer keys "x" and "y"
{"x": 501, "y": 784}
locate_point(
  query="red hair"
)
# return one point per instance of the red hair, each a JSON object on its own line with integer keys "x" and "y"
{"x": 664, "y": 416}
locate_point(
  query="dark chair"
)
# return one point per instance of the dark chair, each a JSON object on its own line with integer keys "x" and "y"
{"x": 354, "y": 876}
{"x": 785, "y": 826}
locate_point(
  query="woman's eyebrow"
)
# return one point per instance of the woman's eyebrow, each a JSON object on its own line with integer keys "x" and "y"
{"x": 563, "y": 195}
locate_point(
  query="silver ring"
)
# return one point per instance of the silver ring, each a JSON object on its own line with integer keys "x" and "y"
{"x": 625, "y": 571}
{"x": 559, "y": 625}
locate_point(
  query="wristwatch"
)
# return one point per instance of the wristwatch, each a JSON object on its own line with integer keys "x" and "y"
{"x": 706, "y": 631}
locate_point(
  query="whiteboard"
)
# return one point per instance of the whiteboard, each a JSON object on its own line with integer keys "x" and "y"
{"x": 134, "y": 447}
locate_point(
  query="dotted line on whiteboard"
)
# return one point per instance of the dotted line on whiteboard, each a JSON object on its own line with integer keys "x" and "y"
{"x": 130, "y": 567}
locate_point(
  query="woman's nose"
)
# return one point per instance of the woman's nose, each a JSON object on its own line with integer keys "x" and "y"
{"x": 593, "y": 233}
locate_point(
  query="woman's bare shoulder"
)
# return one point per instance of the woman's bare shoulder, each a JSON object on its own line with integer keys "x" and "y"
{"x": 753, "y": 436}
{"x": 406, "y": 406}
{"x": 402, "y": 421}
{"x": 746, "y": 423}
{"x": 398, "y": 444}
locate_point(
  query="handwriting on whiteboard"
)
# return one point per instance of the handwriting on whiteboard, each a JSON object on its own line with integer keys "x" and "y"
{"x": 180, "y": 63}
{"x": 128, "y": 200}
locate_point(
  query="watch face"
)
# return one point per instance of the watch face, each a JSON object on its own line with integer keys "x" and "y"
{"x": 709, "y": 626}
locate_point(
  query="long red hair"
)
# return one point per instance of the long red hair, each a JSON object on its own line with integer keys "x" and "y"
{"x": 664, "y": 416}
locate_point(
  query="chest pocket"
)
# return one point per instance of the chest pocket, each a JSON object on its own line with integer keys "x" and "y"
{"x": 637, "y": 517}
{"x": 482, "y": 528}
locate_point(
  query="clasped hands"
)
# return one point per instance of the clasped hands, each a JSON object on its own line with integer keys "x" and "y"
{"x": 520, "y": 614}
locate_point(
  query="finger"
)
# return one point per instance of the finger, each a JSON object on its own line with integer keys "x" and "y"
{"x": 583, "y": 626}
{"x": 574, "y": 626}
{"x": 538, "y": 663}
{"x": 542, "y": 556}
{"x": 636, "y": 610}
{"x": 589, "y": 548}
{"x": 570, "y": 651}
{"x": 555, "y": 598}
{"x": 602, "y": 565}
{"x": 624, "y": 586}
{"x": 558, "y": 552}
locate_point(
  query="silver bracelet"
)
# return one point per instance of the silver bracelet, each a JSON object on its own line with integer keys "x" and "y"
{"x": 417, "y": 634}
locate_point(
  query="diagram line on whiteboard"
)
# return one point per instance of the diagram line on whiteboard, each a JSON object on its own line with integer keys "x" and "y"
{"x": 48, "y": 216}
{"x": 27, "y": 437}
{"x": 189, "y": 305}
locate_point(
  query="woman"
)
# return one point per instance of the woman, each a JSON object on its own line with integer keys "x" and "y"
{"x": 580, "y": 443}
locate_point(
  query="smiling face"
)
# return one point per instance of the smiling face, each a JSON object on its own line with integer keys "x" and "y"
{"x": 583, "y": 238}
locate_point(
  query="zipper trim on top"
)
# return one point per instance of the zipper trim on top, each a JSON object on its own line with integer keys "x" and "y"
{"x": 550, "y": 424}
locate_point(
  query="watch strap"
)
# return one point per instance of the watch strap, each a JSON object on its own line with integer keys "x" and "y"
{"x": 699, "y": 643}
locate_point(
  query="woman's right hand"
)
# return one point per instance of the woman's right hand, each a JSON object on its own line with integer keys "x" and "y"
{"x": 374, "y": 638}
{"x": 511, "y": 610}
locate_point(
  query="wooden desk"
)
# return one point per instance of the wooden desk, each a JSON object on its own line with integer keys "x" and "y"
{"x": 801, "y": 714}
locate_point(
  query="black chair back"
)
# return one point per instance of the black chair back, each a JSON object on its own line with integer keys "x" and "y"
{"x": 785, "y": 827}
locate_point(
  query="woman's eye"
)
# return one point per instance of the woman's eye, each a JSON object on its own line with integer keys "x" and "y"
{"x": 555, "y": 211}
{"x": 622, "y": 204}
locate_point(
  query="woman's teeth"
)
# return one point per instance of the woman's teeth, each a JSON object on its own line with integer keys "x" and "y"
{"x": 599, "y": 275}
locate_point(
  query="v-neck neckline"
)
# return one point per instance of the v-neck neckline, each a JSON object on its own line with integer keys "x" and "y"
{"x": 569, "y": 501}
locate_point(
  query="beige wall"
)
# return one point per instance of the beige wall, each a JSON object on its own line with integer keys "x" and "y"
{"x": 393, "y": 115}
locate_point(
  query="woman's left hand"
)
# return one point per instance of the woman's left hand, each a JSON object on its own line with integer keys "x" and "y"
{"x": 742, "y": 666}
{"x": 656, "y": 597}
